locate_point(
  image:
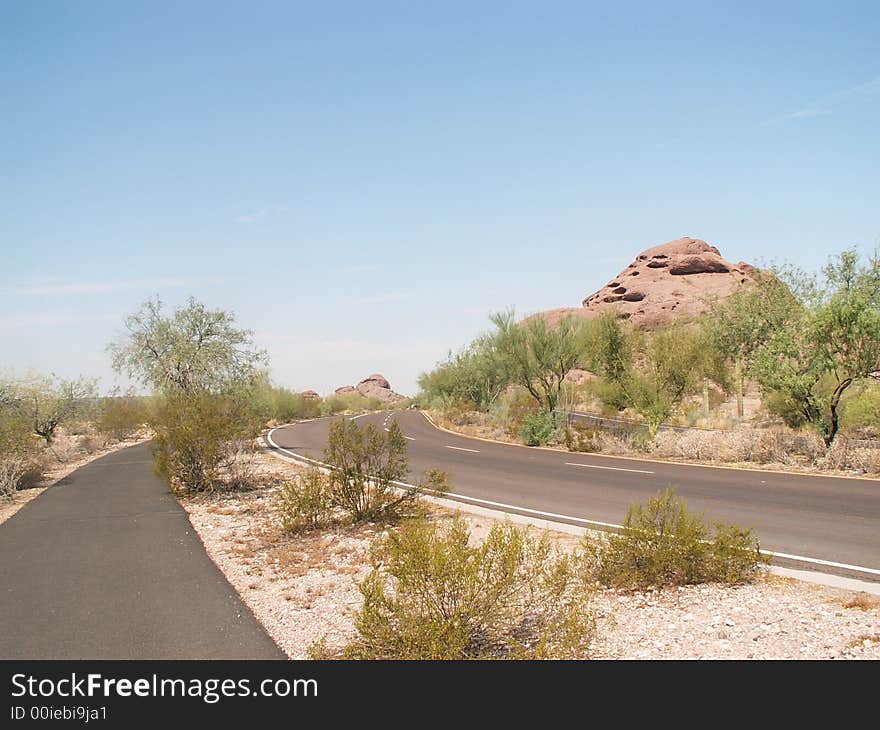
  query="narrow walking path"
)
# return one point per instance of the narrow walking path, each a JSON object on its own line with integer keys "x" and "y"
{"x": 105, "y": 565}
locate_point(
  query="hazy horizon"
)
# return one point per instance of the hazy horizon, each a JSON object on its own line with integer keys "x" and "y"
{"x": 363, "y": 185}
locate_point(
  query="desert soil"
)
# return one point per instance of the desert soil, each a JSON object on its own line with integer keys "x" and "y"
{"x": 303, "y": 589}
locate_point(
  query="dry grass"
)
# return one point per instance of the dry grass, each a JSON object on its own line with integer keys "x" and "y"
{"x": 864, "y": 640}
{"x": 863, "y": 602}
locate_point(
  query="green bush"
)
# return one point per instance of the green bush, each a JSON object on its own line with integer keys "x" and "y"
{"x": 21, "y": 460}
{"x": 305, "y": 502}
{"x": 786, "y": 407}
{"x": 861, "y": 411}
{"x": 436, "y": 596}
{"x": 198, "y": 436}
{"x": 119, "y": 417}
{"x": 663, "y": 544}
{"x": 537, "y": 428}
{"x": 368, "y": 466}
{"x": 580, "y": 437}
{"x": 612, "y": 400}
{"x": 511, "y": 408}
{"x": 349, "y": 403}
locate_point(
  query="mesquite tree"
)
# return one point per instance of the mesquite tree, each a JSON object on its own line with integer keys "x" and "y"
{"x": 827, "y": 342}
{"x": 193, "y": 349}
{"x": 539, "y": 356}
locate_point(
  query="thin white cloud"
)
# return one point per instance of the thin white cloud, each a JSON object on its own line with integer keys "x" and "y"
{"x": 51, "y": 319}
{"x": 260, "y": 214}
{"x": 55, "y": 289}
{"x": 384, "y": 298}
{"x": 361, "y": 269}
{"x": 827, "y": 104}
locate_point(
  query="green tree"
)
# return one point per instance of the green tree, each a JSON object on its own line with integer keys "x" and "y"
{"x": 193, "y": 349}
{"x": 539, "y": 356}
{"x": 46, "y": 402}
{"x": 651, "y": 372}
{"x": 829, "y": 340}
{"x": 476, "y": 375}
{"x": 734, "y": 329}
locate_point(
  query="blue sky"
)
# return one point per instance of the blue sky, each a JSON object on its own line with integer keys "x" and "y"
{"x": 363, "y": 183}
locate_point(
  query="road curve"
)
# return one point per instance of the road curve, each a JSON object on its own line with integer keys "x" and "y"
{"x": 835, "y": 521}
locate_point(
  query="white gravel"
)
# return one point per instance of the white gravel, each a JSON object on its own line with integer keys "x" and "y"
{"x": 304, "y": 589}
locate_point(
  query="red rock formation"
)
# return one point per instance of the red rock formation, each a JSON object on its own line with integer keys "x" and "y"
{"x": 376, "y": 386}
{"x": 681, "y": 277}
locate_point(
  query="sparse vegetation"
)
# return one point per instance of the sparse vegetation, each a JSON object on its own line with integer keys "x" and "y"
{"x": 537, "y": 428}
{"x": 807, "y": 341}
{"x": 651, "y": 373}
{"x": 663, "y": 544}
{"x": 119, "y": 416}
{"x": 46, "y": 403}
{"x": 368, "y": 469}
{"x": 349, "y": 403}
{"x": 304, "y": 502}
{"x": 434, "y": 595}
{"x": 198, "y": 436}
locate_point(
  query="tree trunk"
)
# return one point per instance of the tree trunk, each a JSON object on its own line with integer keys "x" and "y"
{"x": 738, "y": 375}
{"x": 833, "y": 427}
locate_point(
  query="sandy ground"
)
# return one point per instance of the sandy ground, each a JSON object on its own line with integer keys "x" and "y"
{"x": 304, "y": 589}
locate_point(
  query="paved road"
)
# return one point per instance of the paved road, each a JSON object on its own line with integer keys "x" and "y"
{"x": 105, "y": 565}
{"x": 825, "y": 518}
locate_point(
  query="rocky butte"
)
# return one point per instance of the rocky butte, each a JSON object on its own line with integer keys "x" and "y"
{"x": 681, "y": 277}
{"x": 374, "y": 386}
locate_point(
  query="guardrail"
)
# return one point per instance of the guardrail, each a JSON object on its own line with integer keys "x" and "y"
{"x": 630, "y": 426}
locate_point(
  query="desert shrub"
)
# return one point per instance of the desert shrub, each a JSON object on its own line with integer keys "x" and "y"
{"x": 21, "y": 460}
{"x": 11, "y": 470}
{"x": 860, "y": 411}
{"x": 198, "y": 436}
{"x": 367, "y": 468}
{"x": 510, "y": 409}
{"x": 610, "y": 396}
{"x": 285, "y": 405}
{"x": 664, "y": 544}
{"x": 844, "y": 456}
{"x": 537, "y": 428}
{"x": 786, "y": 407}
{"x": 304, "y": 502}
{"x": 581, "y": 437}
{"x": 437, "y": 596}
{"x": 349, "y": 403}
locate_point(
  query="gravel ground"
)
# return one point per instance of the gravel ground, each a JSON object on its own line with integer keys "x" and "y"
{"x": 304, "y": 589}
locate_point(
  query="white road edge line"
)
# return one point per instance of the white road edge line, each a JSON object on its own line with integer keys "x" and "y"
{"x": 610, "y": 468}
{"x": 459, "y": 448}
{"x": 464, "y": 497}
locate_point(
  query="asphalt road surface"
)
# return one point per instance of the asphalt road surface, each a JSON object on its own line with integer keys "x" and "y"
{"x": 105, "y": 565}
{"x": 827, "y": 519}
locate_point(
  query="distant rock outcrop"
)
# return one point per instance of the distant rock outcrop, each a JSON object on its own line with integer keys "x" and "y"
{"x": 310, "y": 394}
{"x": 345, "y": 389}
{"x": 377, "y": 386}
{"x": 681, "y": 277}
